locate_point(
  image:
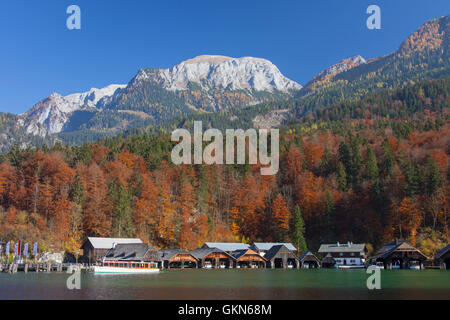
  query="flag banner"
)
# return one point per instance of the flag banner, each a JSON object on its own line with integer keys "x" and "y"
{"x": 16, "y": 248}
{"x": 35, "y": 248}
{"x": 7, "y": 248}
{"x": 25, "y": 250}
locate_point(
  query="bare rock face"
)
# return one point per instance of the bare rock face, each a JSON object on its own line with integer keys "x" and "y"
{"x": 224, "y": 72}
{"x": 49, "y": 115}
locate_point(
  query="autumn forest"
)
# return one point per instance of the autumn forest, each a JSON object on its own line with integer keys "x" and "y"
{"x": 368, "y": 170}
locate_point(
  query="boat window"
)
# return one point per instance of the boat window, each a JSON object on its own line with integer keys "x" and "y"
{"x": 121, "y": 265}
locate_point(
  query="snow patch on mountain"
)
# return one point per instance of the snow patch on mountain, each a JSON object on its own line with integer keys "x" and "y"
{"x": 49, "y": 115}
{"x": 212, "y": 72}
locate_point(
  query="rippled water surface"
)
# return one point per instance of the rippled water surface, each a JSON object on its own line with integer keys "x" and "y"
{"x": 231, "y": 284}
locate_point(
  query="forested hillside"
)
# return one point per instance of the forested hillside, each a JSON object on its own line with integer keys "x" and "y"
{"x": 362, "y": 171}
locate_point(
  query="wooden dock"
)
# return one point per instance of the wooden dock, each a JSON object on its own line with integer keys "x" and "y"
{"x": 40, "y": 267}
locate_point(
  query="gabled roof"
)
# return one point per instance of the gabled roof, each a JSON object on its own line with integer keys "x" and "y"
{"x": 328, "y": 259}
{"x": 240, "y": 253}
{"x": 167, "y": 254}
{"x": 129, "y": 251}
{"x": 108, "y": 243}
{"x": 342, "y": 247}
{"x": 200, "y": 253}
{"x": 227, "y": 246}
{"x": 308, "y": 254}
{"x": 441, "y": 252}
{"x": 393, "y": 246}
{"x": 265, "y": 246}
{"x": 278, "y": 249}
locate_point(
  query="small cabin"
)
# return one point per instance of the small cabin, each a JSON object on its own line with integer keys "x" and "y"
{"x": 216, "y": 258}
{"x": 400, "y": 255}
{"x": 308, "y": 260}
{"x": 442, "y": 258}
{"x": 248, "y": 258}
{"x": 94, "y": 249}
{"x": 345, "y": 254}
{"x": 177, "y": 258}
{"x": 280, "y": 256}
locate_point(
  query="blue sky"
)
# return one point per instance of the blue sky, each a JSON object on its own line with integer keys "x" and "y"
{"x": 39, "y": 55}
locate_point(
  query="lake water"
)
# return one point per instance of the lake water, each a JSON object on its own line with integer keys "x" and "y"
{"x": 193, "y": 284}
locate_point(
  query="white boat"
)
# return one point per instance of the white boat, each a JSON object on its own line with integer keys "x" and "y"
{"x": 120, "y": 267}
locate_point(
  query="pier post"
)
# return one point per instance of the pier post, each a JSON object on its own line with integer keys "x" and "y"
{"x": 49, "y": 266}
{"x": 26, "y": 268}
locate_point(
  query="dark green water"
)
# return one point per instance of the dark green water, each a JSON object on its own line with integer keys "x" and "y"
{"x": 231, "y": 284}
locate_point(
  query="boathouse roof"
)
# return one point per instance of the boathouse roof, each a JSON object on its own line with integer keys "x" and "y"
{"x": 277, "y": 251}
{"x": 226, "y": 246}
{"x": 342, "y": 247}
{"x": 442, "y": 252}
{"x": 265, "y": 246}
{"x": 308, "y": 256}
{"x": 132, "y": 252}
{"x": 108, "y": 243}
{"x": 167, "y": 254}
{"x": 200, "y": 253}
{"x": 240, "y": 253}
{"x": 328, "y": 259}
{"x": 395, "y": 246}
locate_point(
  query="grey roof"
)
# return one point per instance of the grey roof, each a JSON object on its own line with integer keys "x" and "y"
{"x": 393, "y": 246}
{"x": 309, "y": 255}
{"x": 129, "y": 252}
{"x": 328, "y": 259}
{"x": 275, "y": 250}
{"x": 108, "y": 243}
{"x": 200, "y": 253}
{"x": 342, "y": 247}
{"x": 227, "y": 246}
{"x": 441, "y": 252}
{"x": 265, "y": 246}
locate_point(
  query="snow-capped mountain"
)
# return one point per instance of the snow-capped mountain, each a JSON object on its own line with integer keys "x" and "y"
{"x": 223, "y": 72}
{"x": 49, "y": 115}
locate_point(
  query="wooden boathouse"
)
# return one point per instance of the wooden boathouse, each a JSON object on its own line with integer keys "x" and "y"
{"x": 442, "y": 258}
{"x": 280, "y": 256}
{"x": 263, "y": 247}
{"x": 400, "y": 255}
{"x": 177, "y": 258}
{"x": 248, "y": 258}
{"x": 308, "y": 260}
{"x": 94, "y": 249}
{"x": 213, "y": 258}
{"x": 328, "y": 261}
